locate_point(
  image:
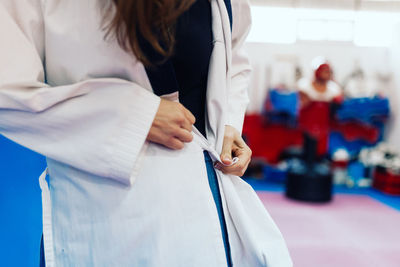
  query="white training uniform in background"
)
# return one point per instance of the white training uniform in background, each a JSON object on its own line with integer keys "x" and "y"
{"x": 114, "y": 199}
{"x": 332, "y": 90}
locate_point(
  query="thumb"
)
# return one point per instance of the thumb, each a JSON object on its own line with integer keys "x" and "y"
{"x": 226, "y": 155}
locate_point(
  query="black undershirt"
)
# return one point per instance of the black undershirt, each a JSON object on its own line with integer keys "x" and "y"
{"x": 187, "y": 70}
{"x": 192, "y": 57}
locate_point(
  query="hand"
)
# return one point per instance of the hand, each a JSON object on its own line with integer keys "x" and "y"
{"x": 235, "y": 146}
{"x": 172, "y": 125}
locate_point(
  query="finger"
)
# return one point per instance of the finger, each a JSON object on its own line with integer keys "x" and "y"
{"x": 239, "y": 172}
{"x": 246, "y": 165}
{"x": 189, "y": 115}
{"x": 187, "y": 125}
{"x": 174, "y": 143}
{"x": 226, "y": 154}
{"x": 244, "y": 158}
{"x": 241, "y": 143}
{"x": 242, "y": 153}
{"x": 235, "y": 169}
{"x": 184, "y": 135}
{"x": 235, "y": 172}
{"x": 231, "y": 168}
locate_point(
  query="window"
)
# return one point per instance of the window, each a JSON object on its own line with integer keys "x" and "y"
{"x": 374, "y": 29}
{"x": 273, "y": 25}
{"x": 288, "y": 25}
{"x": 325, "y": 30}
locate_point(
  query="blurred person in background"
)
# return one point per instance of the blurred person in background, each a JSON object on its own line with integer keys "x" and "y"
{"x": 321, "y": 87}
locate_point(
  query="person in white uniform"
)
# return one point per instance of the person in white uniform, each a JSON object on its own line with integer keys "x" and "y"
{"x": 321, "y": 87}
{"x": 126, "y": 182}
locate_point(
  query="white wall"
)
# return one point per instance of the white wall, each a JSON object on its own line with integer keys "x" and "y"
{"x": 393, "y": 132}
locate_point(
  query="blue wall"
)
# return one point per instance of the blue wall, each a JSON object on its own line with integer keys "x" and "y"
{"x": 20, "y": 205}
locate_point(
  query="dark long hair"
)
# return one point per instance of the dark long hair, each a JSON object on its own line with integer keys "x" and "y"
{"x": 152, "y": 20}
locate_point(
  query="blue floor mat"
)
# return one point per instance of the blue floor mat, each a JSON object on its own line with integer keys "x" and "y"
{"x": 20, "y": 205}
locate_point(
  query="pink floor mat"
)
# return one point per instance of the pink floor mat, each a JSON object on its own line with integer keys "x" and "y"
{"x": 351, "y": 231}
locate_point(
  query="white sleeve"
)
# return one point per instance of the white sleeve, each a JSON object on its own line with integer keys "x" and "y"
{"x": 238, "y": 98}
{"x": 98, "y": 126}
